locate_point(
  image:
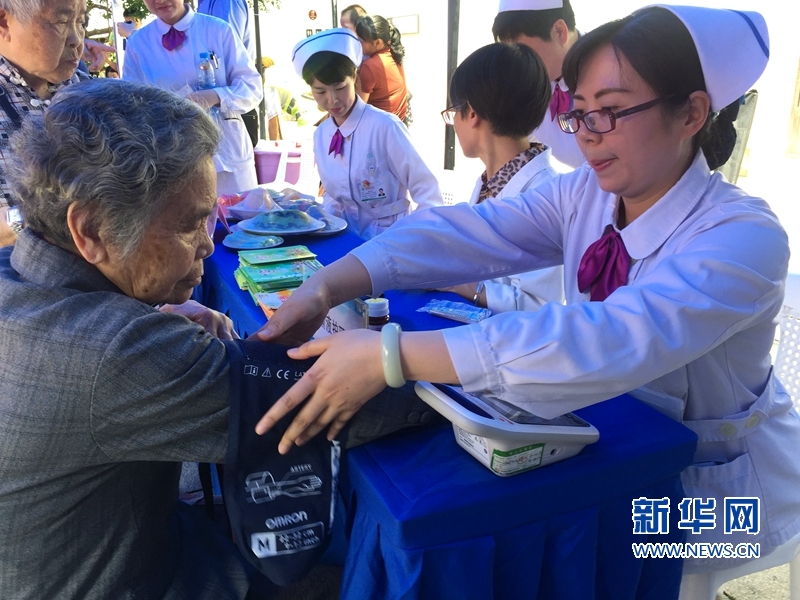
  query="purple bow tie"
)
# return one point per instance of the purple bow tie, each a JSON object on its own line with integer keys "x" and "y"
{"x": 172, "y": 39}
{"x": 559, "y": 103}
{"x": 604, "y": 266}
{"x": 337, "y": 144}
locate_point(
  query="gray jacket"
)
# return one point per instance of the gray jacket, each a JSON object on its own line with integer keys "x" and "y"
{"x": 101, "y": 396}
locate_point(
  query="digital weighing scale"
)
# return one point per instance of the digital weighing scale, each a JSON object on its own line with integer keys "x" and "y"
{"x": 503, "y": 437}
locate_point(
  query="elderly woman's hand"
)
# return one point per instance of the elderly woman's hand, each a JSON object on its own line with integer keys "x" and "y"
{"x": 213, "y": 322}
{"x": 348, "y": 373}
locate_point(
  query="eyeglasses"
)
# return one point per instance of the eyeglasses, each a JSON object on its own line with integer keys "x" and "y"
{"x": 449, "y": 114}
{"x": 602, "y": 120}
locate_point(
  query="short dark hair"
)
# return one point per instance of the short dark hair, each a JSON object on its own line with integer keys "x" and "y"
{"x": 661, "y": 50}
{"x": 354, "y": 12}
{"x": 505, "y": 84}
{"x": 510, "y": 24}
{"x": 328, "y": 68}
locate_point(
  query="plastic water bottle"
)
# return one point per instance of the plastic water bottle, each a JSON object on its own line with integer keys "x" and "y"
{"x": 206, "y": 79}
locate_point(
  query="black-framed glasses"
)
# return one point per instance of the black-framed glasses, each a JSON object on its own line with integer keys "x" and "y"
{"x": 449, "y": 114}
{"x": 602, "y": 120}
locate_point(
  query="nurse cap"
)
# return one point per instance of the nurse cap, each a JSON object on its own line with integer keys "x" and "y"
{"x": 338, "y": 40}
{"x": 506, "y": 5}
{"x": 733, "y": 47}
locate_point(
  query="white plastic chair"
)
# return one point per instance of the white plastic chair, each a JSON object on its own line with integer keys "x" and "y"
{"x": 704, "y": 586}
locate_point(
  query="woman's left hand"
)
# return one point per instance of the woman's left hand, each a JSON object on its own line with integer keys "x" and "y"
{"x": 349, "y": 372}
{"x": 213, "y": 322}
{"x": 205, "y": 98}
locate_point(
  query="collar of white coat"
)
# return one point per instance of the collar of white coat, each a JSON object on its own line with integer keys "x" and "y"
{"x": 181, "y": 25}
{"x": 649, "y": 232}
{"x": 350, "y": 124}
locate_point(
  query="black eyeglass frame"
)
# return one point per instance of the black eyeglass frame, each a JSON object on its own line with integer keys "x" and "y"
{"x": 565, "y": 118}
{"x": 449, "y": 114}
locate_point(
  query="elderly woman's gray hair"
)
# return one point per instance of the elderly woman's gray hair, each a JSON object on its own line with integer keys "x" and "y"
{"x": 119, "y": 146}
{"x": 22, "y": 10}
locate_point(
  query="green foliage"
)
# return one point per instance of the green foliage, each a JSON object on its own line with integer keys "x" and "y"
{"x": 136, "y": 8}
{"x": 266, "y": 5}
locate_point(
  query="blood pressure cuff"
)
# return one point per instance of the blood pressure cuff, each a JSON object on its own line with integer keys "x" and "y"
{"x": 280, "y": 506}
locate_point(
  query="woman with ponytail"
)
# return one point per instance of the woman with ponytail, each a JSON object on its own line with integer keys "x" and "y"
{"x": 382, "y": 80}
{"x": 673, "y": 276}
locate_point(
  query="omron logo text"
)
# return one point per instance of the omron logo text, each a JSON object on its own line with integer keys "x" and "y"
{"x": 296, "y": 517}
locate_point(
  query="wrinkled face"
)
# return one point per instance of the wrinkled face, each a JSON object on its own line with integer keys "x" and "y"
{"x": 48, "y": 48}
{"x": 169, "y": 11}
{"x": 550, "y": 51}
{"x": 337, "y": 99}
{"x": 638, "y": 159}
{"x": 168, "y": 264}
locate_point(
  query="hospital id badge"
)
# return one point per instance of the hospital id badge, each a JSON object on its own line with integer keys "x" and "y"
{"x": 372, "y": 191}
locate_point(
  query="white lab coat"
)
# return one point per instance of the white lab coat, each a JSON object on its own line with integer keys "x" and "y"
{"x": 369, "y": 184}
{"x": 564, "y": 145}
{"x": 530, "y": 290}
{"x": 238, "y": 82}
{"x": 695, "y": 322}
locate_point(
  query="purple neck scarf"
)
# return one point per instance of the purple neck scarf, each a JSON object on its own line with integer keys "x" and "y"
{"x": 172, "y": 39}
{"x": 604, "y": 266}
{"x": 337, "y": 144}
{"x": 559, "y": 103}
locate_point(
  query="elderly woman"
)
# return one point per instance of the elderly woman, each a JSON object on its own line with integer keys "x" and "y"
{"x": 109, "y": 390}
{"x": 101, "y": 394}
{"x": 40, "y": 46}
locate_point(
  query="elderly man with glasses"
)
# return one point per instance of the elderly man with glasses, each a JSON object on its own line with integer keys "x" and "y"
{"x": 41, "y": 44}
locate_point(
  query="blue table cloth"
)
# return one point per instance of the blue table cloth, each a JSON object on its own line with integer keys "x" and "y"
{"x": 427, "y": 521}
{"x": 432, "y": 522}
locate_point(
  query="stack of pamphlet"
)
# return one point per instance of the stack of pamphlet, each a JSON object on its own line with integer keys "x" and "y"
{"x": 272, "y": 274}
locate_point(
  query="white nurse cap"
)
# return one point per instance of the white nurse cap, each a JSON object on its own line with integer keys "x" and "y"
{"x": 338, "y": 40}
{"x": 506, "y": 5}
{"x": 733, "y": 47}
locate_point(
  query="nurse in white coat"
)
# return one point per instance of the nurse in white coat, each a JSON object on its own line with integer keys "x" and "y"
{"x": 366, "y": 161}
{"x": 679, "y": 294}
{"x": 499, "y": 93}
{"x": 548, "y": 28}
{"x": 166, "y": 53}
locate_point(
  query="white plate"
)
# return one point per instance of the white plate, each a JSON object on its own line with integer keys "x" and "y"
{"x": 241, "y": 240}
{"x": 332, "y": 224}
{"x": 245, "y": 213}
{"x": 282, "y": 222}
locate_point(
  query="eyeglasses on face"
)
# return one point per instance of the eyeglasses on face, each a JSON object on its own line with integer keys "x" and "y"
{"x": 602, "y": 120}
{"x": 449, "y": 114}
